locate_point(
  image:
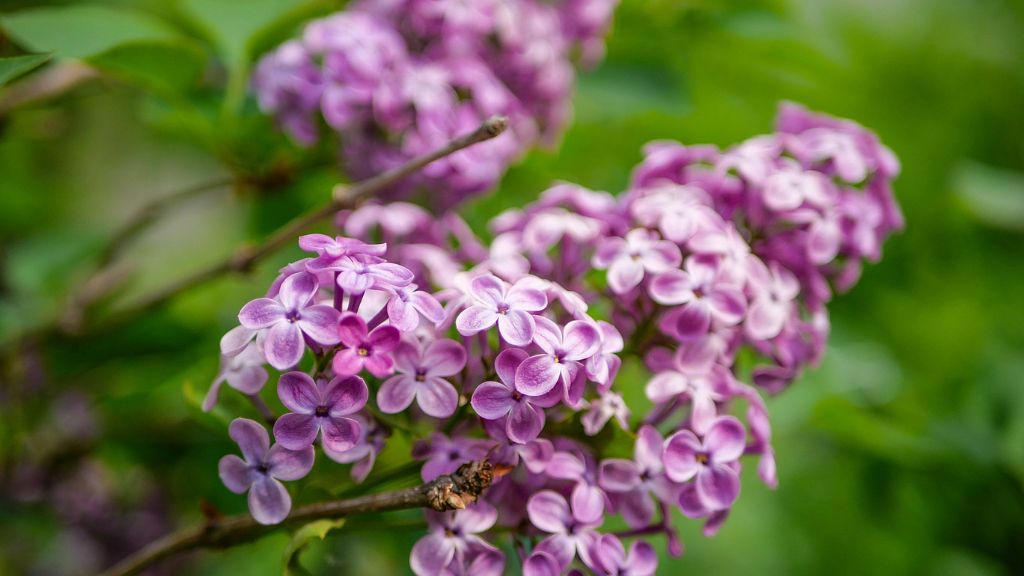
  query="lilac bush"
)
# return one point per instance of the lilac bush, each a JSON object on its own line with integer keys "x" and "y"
{"x": 511, "y": 350}
{"x": 399, "y": 78}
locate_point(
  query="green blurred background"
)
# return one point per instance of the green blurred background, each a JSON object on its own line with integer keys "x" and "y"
{"x": 902, "y": 454}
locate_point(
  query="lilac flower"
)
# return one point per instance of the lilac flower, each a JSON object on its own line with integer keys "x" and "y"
{"x": 540, "y": 563}
{"x": 262, "y": 470}
{"x": 451, "y": 537}
{"x": 628, "y": 258}
{"x": 702, "y": 387}
{"x": 243, "y": 372}
{"x": 319, "y": 407}
{"x": 610, "y": 558}
{"x": 330, "y": 250}
{"x": 444, "y": 455}
{"x": 563, "y": 352}
{"x": 631, "y": 483}
{"x": 359, "y": 274}
{"x": 421, "y": 375}
{"x": 705, "y": 295}
{"x": 607, "y": 406}
{"x": 523, "y": 415}
{"x": 571, "y": 526}
{"x": 363, "y": 455}
{"x": 509, "y": 308}
{"x": 236, "y": 340}
{"x": 709, "y": 460}
{"x": 364, "y": 349}
{"x": 604, "y": 365}
{"x": 289, "y": 317}
{"x": 407, "y": 304}
{"x": 774, "y": 291}
{"x": 677, "y": 211}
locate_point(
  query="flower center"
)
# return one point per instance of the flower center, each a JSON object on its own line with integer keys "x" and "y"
{"x": 421, "y": 375}
{"x": 703, "y": 458}
{"x": 321, "y": 411}
{"x": 503, "y": 308}
{"x": 516, "y": 395}
{"x": 292, "y": 316}
{"x": 263, "y": 468}
{"x": 363, "y": 351}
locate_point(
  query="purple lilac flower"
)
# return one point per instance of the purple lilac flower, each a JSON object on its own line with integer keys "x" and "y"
{"x": 407, "y": 304}
{"x": 363, "y": 348}
{"x": 704, "y": 293}
{"x": 289, "y": 317}
{"x": 602, "y": 409}
{"x": 710, "y": 460}
{"x": 243, "y": 372}
{"x": 631, "y": 483}
{"x": 603, "y": 366}
{"x": 421, "y": 375}
{"x": 775, "y": 290}
{"x": 444, "y": 455}
{"x": 627, "y": 259}
{"x": 509, "y": 307}
{"x": 563, "y": 350}
{"x": 523, "y": 415}
{"x": 262, "y": 470}
{"x": 363, "y": 455}
{"x": 319, "y": 407}
{"x": 572, "y": 526}
{"x": 610, "y": 557}
{"x": 451, "y": 537}
{"x": 702, "y": 387}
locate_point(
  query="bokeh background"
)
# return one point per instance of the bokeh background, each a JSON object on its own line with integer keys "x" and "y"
{"x": 902, "y": 454}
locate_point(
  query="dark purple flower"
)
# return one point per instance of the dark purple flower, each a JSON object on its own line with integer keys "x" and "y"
{"x": 709, "y": 459}
{"x": 364, "y": 349}
{"x": 563, "y": 352}
{"x": 421, "y": 375}
{"x": 290, "y": 316}
{"x": 262, "y": 470}
{"x": 509, "y": 308}
{"x": 523, "y": 415}
{"x": 319, "y": 407}
{"x": 451, "y": 537}
{"x": 705, "y": 295}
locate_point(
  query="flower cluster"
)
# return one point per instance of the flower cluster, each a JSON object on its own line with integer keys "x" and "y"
{"x": 514, "y": 348}
{"x": 399, "y": 78}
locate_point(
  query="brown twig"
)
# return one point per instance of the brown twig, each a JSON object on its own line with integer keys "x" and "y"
{"x": 48, "y": 83}
{"x": 449, "y": 492}
{"x": 342, "y": 197}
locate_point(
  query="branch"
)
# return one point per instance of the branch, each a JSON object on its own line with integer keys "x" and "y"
{"x": 449, "y": 492}
{"x": 342, "y": 197}
{"x": 48, "y": 83}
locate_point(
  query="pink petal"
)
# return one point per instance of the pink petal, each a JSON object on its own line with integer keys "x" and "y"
{"x": 537, "y": 375}
{"x": 617, "y": 475}
{"x": 380, "y": 365}
{"x": 491, "y": 400}
{"x": 351, "y": 329}
{"x": 524, "y": 298}
{"x": 672, "y": 287}
{"x": 642, "y": 559}
{"x": 690, "y": 321}
{"x": 489, "y": 290}
{"x": 516, "y": 327}
{"x": 680, "y": 456}
{"x": 662, "y": 256}
{"x": 547, "y": 334}
{"x": 718, "y": 486}
{"x": 726, "y": 439}
{"x": 625, "y": 274}
{"x": 582, "y": 340}
{"x": 261, "y": 313}
{"x": 347, "y": 362}
{"x": 384, "y": 339}
{"x": 444, "y": 358}
{"x": 297, "y": 290}
{"x": 648, "y": 448}
{"x": 608, "y": 250}
{"x": 407, "y": 356}
{"x": 765, "y": 320}
{"x": 666, "y": 386}
{"x": 587, "y": 503}
{"x": 396, "y": 393}
{"x": 428, "y": 306}
{"x": 298, "y": 392}
{"x": 728, "y": 305}
{"x": 507, "y": 362}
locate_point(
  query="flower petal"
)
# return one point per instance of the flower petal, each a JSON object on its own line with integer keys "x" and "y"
{"x": 680, "y": 456}
{"x": 296, "y": 431}
{"x": 384, "y": 338}
{"x": 672, "y": 287}
{"x": 351, "y": 329}
{"x": 297, "y": 290}
{"x": 475, "y": 319}
{"x": 547, "y": 334}
{"x": 236, "y": 339}
{"x": 647, "y": 452}
{"x": 428, "y": 306}
{"x": 491, "y": 400}
{"x": 541, "y": 563}
{"x": 642, "y": 559}
{"x": 582, "y": 340}
{"x": 691, "y": 321}
{"x": 444, "y": 358}
{"x": 261, "y": 313}
{"x": 347, "y": 362}
{"x": 396, "y": 393}
{"x": 507, "y": 362}
{"x": 537, "y": 375}
{"x": 587, "y": 504}
{"x": 340, "y": 434}
{"x": 269, "y": 502}
{"x": 284, "y": 345}
{"x": 489, "y": 290}
{"x": 287, "y": 464}
{"x": 248, "y": 380}
{"x": 320, "y": 323}
{"x": 298, "y": 392}
{"x": 726, "y": 439}
{"x": 617, "y": 475}
{"x": 431, "y": 554}
{"x": 235, "y": 473}
{"x": 624, "y": 274}
{"x": 522, "y": 297}
{"x": 525, "y": 422}
{"x": 718, "y": 486}
{"x": 549, "y": 511}
{"x": 345, "y": 395}
{"x": 380, "y": 365}
{"x": 728, "y": 305}
{"x": 251, "y": 438}
{"x": 516, "y": 327}
{"x": 437, "y": 397}
{"x": 666, "y": 386}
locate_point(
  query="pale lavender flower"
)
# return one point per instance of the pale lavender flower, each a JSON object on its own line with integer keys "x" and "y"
{"x": 627, "y": 259}
{"x": 632, "y": 483}
{"x": 261, "y": 471}
{"x": 572, "y": 526}
{"x": 421, "y": 376}
{"x": 451, "y": 537}
{"x": 704, "y": 293}
{"x": 702, "y": 387}
{"x": 363, "y": 348}
{"x": 407, "y": 304}
{"x": 563, "y": 350}
{"x": 602, "y": 409}
{"x": 610, "y": 558}
{"x": 289, "y": 317}
{"x": 243, "y": 372}
{"x": 509, "y": 307}
{"x": 540, "y": 563}
{"x": 775, "y": 290}
{"x": 709, "y": 459}
{"x": 319, "y": 407}
{"x": 363, "y": 455}
{"x": 523, "y": 415}
{"x": 603, "y": 366}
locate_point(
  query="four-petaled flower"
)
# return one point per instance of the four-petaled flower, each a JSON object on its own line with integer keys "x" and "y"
{"x": 713, "y": 461}
{"x": 563, "y": 350}
{"x": 610, "y": 559}
{"x": 407, "y": 304}
{"x": 365, "y": 349}
{"x": 320, "y": 407}
{"x": 628, "y": 258}
{"x": 290, "y": 316}
{"x": 262, "y": 470}
{"x": 572, "y": 527}
{"x": 509, "y": 308}
{"x": 243, "y": 372}
{"x": 705, "y": 293}
{"x": 630, "y": 483}
{"x": 452, "y": 537}
{"x": 524, "y": 415}
{"x": 421, "y": 375}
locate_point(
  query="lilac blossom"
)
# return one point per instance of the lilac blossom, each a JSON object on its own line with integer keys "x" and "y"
{"x": 709, "y": 460}
{"x": 627, "y": 259}
{"x": 320, "y": 408}
{"x": 407, "y": 304}
{"x": 563, "y": 350}
{"x": 262, "y": 470}
{"x": 705, "y": 295}
{"x": 571, "y": 525}
{"x": 610, "y": 557}
{"x": 243, "y": 372}
{"x": 631, "y": 484}
{"x": 289, "y": 317}
{"x": 523, "y": 415}
{"x": 451, "y": 538}
{"x": 510, "y": 308}
{"x": 421, "y": 376}
{"x": 602, "y": 409}
{"x": 364, "y": 348}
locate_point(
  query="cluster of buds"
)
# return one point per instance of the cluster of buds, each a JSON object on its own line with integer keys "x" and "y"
{"x": 513, "y": 349}
{"x": 399, "y": 78}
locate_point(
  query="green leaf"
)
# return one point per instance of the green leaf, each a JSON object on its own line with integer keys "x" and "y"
{"x": 303, "y": 537}
{"x": 81, "y": 31}
{"x": 167, "y": 68}
{"x": 17, "y": 65}
{"x": 992, "y": 195}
